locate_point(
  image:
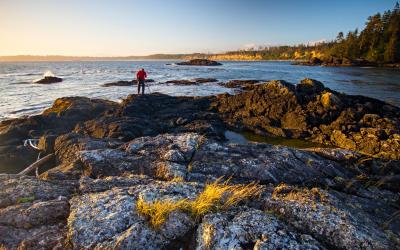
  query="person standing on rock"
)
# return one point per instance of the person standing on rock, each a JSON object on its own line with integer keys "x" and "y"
{"x": 141, "y": 78}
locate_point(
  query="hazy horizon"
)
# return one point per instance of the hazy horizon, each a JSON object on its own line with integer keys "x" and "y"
{"x": 135, "y": 28}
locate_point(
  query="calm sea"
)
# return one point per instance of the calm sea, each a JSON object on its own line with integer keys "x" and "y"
{"x": 20, "y": 96}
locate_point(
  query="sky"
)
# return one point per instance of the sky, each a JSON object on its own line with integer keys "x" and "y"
{"x": 133, "y": 27}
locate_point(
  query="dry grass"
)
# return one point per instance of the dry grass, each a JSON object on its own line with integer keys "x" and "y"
{"x": 158, "y": 211}
{"x": 177, "y": 179}
{"x": 215, "y": 197}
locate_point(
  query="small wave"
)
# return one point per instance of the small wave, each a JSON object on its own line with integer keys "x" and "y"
{"x": 15, "y": 83}
{"x": 18, "y": 74}
{"x": 48, "y": 73}
{"x": 30, "y": 110}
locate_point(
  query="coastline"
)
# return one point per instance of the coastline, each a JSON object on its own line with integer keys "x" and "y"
{"x": 106, "y": 163}
{"x": 294, "y": 61}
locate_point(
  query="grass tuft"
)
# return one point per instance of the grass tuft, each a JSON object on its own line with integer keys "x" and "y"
{"x": 215, "y": 197}
{"x": 158, "y": 211}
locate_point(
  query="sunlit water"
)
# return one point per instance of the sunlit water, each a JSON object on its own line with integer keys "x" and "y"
{"x": 20, "y": 96}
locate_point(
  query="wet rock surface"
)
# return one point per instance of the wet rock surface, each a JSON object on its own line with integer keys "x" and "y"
{"x": 241, "y": 84}
{"x": 195, "y": 81}
{"x": 311, "y": 111}
{"x": 157, "y": 148}
{"x": 200, "y": 62}
{"x": 49, "y": 80}
{"x": 124, "y": 83}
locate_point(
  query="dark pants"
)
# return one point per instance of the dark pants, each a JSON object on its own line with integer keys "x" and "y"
{"x": 140, "y": 84}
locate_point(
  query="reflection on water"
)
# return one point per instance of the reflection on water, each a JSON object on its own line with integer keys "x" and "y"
{"x": 245, "y": 137}
{"x": 19, "y": 96}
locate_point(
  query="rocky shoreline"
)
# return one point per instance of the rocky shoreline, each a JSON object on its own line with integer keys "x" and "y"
{"x": 111, "y": 159}
{"x": 345, "y": 62}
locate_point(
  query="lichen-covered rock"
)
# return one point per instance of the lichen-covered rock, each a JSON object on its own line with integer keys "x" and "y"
{"x": 262, "y": 162}
{"x": 110, "y": 220}
{"x": 16, "y": 189}
{"x": 248, "y": 228}
{"x": 330, "y": 220}
{"x": 33, "y": 212}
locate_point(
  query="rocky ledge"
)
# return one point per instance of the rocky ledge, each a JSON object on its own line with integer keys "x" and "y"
{"x": 124, "y": 83}
{"x": 49, "y": 80}
{"x": 340, "y": 62}
{"x": 310, "y": 111}
{"x": 195, "y": 81}
{"x": 156, "y": 172}
{"x": 242, "y": 84}
{"x": 200, "y": 62}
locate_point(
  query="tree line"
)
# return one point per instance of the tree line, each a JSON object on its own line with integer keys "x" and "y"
{"x": 378, "y": 42}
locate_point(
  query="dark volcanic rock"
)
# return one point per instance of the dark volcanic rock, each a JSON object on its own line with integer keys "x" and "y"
{"x": 61, "y": 118}
{"x": 205, "y": 80}
{"x": 181, "y": 82}
{"x": 49, "y": 79}
{"x": 309, "y": 110}
{"x": 195, "y": 81}
{"x": 154, "y": 114}
{"x": 200, "y": 62}
{"x": 124, "y": 83}
{"x": 242, "y": 84}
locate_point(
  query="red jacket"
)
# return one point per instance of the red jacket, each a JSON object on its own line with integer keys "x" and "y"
{"x": 141, "y": 74}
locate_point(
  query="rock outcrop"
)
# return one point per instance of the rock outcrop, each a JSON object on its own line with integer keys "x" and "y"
{"x": 200, "y": 62}
{"x": 338, "y": 62}
{"x": 49, "y": 80}
{"x": 311, "y": 111}
{"x": 195, "y": 81}
{"x": 163, "y": 151}
{"x": 242, "y": 84}
{"x": 61, "y": 118}
{"x": 124, "y": 83}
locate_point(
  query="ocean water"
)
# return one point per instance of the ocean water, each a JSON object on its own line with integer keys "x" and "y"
{"x": 20, "y": 96}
